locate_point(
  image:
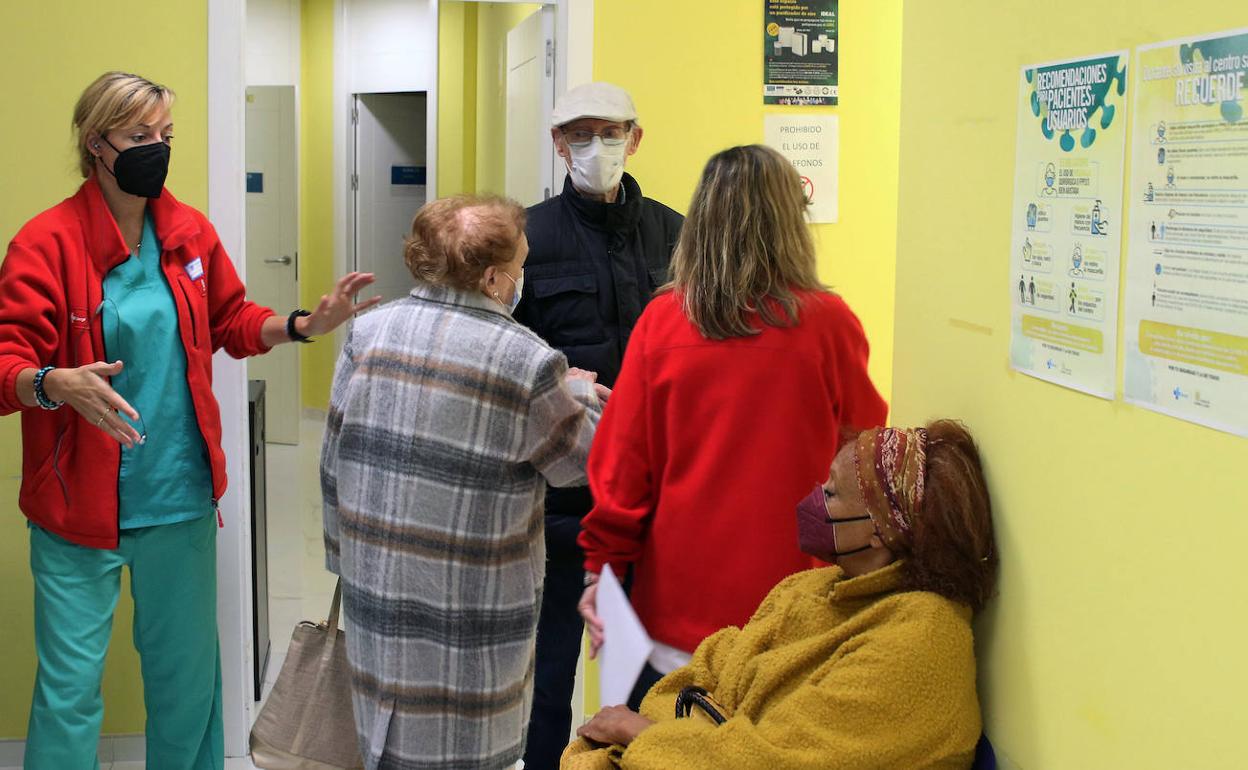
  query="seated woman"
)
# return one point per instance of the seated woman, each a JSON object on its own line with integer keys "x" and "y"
{"x": 867, "y": 664}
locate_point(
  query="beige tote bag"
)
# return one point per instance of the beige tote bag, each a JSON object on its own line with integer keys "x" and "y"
{"x": 308, "y": 723}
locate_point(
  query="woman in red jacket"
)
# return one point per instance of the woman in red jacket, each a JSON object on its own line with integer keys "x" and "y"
{"x": 739, "y": 385}
{"x": 130, "y": 473}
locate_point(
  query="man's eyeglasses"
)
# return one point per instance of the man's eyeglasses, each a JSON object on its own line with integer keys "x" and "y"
{"x": 611, "y": 135}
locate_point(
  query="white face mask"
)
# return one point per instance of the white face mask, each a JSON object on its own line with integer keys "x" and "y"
{"x": 515, "y": 299}
{"x": 596, "y": 167}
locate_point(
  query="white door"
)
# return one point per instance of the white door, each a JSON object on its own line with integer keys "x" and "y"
{"x": 390, "y": 184}
{"x": 530, "y": 160}
{"x": 272, "y": 246}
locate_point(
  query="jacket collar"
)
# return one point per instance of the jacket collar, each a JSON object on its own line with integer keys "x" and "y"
{"x": 445, "y": 295}
{"x": 881, "y": 581}
{"x": 620, "y": 216}
{"x": 174, "y": 224}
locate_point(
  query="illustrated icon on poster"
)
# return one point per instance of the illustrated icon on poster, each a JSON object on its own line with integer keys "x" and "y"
{"x": 808, "y": 189}
{"x": 1074, "y": 296}
{"x": 1161, "y": 132}
{"x": 1148, "y": 193}
{"x": 1076, "y": 261}
{"x": 1031, "y": 289}
{"x": 1022, "y": 290}
{"x": 1099, "y": 225}
{"x": 1032, "y": 215}
{"x": 1170, "y": 177}
{"x": 1027, "y": 250}
{"x": 1050, "y": 179}
{"x": 1161, "y": 156}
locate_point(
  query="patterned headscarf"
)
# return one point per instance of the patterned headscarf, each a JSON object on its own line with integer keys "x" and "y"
{"x": 891, "y": 464}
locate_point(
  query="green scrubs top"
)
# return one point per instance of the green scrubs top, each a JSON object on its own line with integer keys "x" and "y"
{"x": 166, "y": 479}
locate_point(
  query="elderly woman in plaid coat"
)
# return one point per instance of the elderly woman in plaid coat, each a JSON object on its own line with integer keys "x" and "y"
{"x": 446, "y": 423}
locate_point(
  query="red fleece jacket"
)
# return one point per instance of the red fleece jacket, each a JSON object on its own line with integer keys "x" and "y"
{"x": 705, "y": 449}
{"x": 51, "y": 283}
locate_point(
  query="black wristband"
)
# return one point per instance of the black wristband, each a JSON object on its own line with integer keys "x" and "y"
{"x": 290, "y": 326}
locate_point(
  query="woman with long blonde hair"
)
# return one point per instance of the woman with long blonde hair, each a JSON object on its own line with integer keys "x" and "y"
{"x": 741, "y": 381}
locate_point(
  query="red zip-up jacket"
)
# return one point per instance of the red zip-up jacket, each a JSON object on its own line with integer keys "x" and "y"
{"x": 51, "y": 284}
{"x": 705, "y": 449}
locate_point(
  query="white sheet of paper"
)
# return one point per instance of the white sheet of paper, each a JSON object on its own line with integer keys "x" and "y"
{"x": 626, "y": 645}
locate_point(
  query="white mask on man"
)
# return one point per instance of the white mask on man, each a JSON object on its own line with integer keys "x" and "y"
{"x": 598, "y": 167}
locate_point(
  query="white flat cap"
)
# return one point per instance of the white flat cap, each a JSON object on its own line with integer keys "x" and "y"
{"x": 603, "y": 101}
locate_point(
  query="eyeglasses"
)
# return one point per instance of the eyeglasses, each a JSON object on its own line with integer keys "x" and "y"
{"x": 611, "y": 135}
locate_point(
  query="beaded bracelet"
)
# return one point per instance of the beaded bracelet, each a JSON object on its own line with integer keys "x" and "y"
{"x": 41, "y": 395}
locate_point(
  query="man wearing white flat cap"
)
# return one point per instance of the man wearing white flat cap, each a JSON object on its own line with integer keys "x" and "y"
{"x": 597, "y": 252}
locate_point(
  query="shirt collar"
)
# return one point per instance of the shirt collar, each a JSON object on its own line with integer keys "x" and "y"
{"x": 447, "y": 295}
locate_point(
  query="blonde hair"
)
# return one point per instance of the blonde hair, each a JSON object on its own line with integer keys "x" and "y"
{"x": 114, "y": 100}
{"x": 453, "y": 240}
{"x": 744, "y": 247}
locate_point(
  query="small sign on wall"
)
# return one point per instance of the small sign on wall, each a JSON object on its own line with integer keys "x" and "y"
{"x": 407, "y": 175}
{"x": 812, "y": 145}
{"x": 255, "y": 182}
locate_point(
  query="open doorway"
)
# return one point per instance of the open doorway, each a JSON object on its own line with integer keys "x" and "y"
{"x": 389, "y": 182}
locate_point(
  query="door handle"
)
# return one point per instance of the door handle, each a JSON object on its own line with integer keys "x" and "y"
{"x": 277, "y": 261}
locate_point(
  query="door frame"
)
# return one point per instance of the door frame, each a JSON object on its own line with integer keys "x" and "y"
{"x": 574, "y": 60}
{"x": 227, "y": 84}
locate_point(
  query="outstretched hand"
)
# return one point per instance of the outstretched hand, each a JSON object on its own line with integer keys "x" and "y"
{"x": 86, "y": 389}
{"x": 339, "y": 305}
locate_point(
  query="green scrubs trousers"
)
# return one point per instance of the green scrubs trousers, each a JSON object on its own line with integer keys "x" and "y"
{"x": 173, "y": 579}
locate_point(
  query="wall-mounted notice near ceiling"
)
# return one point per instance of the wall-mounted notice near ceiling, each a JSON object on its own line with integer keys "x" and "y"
{"x": 1186, "y": 304}
{"x": 1064, "y": 254}
{"x": 811, "y": 143}
{"x": 800, "y": 40}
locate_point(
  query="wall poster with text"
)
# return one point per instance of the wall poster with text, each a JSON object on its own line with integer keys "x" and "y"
{"x": 1065, "y": 249}
{"x": 800, "y": 51}
{"x": 1185, "y": 326}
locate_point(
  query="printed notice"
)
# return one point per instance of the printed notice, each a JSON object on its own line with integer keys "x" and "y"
{"x": 811, "y": 143}
{"x": 1065, "y": 250}
{"x": 800, "y": 51}
{"x": 1186, "y": 304}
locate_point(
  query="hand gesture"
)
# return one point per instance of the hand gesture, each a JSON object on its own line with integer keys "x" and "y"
{"x": 339, "y": 305}
{"x": 86, "y": 390}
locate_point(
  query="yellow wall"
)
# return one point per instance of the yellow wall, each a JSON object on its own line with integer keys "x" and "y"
{"x": 472, "y": 94}
{"x": 697, "y": 80}
{"x": 52, "y": 51}
{"x": 316, "y": 188}
{"x": 457, "y": 98}
{"x": 1118, "y": 637}
{"x": 494, "y": 21}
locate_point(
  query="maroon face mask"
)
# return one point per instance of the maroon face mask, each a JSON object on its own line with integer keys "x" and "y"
{"x": 816, "y": 530}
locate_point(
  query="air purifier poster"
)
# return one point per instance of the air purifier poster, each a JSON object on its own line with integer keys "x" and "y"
{"x": 1067, "y": 221}
{"x": 800, "y": 51}
{"x": 1185, "y": 309}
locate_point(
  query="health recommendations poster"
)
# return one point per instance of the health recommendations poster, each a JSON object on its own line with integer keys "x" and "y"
{"x": 1064, "y": 254}
{"x": 800, "y": 51}
{"x": 1186, "y": 305}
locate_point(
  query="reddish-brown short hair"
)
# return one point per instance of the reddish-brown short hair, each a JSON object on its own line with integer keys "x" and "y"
{"x": 453, "y": 240}
{"x": 952, "y": 552}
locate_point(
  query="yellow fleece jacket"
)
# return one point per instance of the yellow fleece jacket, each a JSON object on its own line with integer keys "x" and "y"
{"x": 831, "y": 672}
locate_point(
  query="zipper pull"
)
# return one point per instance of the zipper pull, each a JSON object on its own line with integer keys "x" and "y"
{"x": 220, "y": 521}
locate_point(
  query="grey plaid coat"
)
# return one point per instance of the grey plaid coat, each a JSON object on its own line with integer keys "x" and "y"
{"x": 446, "y": 422}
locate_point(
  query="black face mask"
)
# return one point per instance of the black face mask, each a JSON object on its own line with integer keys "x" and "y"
{"x": 141, "y": 170}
